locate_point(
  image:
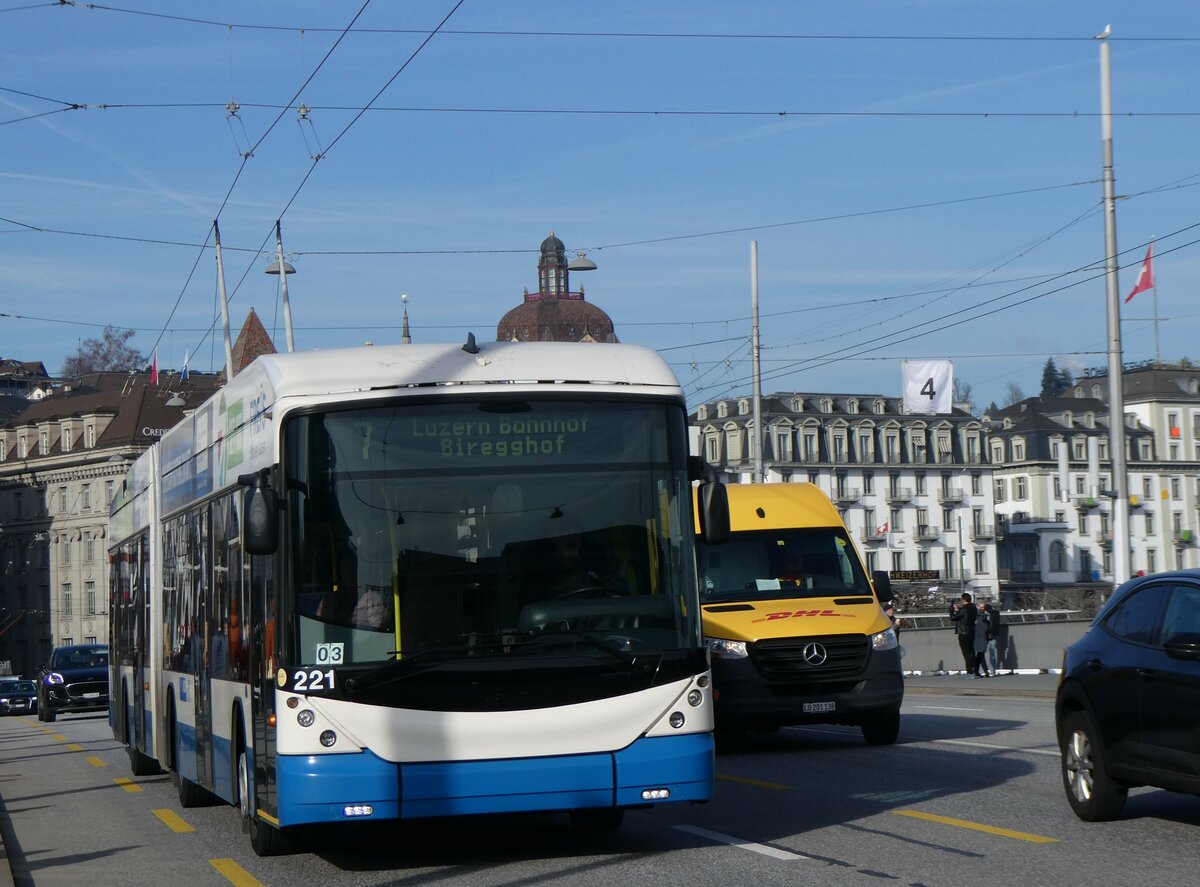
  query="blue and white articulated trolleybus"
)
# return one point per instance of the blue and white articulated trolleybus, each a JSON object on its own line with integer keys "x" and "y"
{"x": 385, "y": 583}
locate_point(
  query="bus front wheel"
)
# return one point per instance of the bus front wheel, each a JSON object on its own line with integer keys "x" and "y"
{"x": 597, "y": 819}
{"x": 265, "y": 839}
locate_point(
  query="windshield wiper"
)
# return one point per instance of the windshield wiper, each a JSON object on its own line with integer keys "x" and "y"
{"x": 398, "y": 669}
{"x": 647, "y": 664}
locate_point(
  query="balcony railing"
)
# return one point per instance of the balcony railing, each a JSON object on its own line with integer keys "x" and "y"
{"x": 899, "y": 494}
{"x": 875, "y": 536}
{"x": 950, "y": 497}
{"x": 926, "y": 532}
{"x": 982, "y": 532}
{"x": 847, "y": 494}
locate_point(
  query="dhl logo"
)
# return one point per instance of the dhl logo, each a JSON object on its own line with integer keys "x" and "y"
{"x": 792, "y": 614}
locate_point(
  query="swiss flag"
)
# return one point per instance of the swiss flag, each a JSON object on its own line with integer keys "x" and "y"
{"x": 1145, "y": 279}
{"x": 882, "y": 529}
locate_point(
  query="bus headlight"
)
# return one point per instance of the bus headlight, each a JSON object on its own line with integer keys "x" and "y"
{"x": 676, "y": 719}
{"x": 885, "y": 640}
{"x": 328, "y": 738}
{"x": 695, "y": 697}
{"x": 721, "y": 648}
{"x": 305, "y": 717}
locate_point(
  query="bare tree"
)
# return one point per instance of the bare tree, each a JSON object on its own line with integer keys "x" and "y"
{"x": 1013, "y": 394}
{"x": 110, "y": 353}
{"x": 962, "y": 391}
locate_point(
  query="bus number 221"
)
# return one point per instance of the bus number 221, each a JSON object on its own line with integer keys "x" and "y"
{"x": 311, "y": 681}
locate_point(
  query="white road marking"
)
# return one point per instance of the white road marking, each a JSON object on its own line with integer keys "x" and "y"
{"x": 944, "y": 708}
{"x": 913, "y": 740}
{"x": 738, "y": 842}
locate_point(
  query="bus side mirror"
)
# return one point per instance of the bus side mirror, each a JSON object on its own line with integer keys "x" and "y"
{"x": 714, "y": 508}
{"x": 260, "y": 514}
{"x": 883, "y": 586}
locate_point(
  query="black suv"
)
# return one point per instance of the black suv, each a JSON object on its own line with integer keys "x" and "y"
{"x": 1128, "y": 706}
{"x": 75, "y": 679}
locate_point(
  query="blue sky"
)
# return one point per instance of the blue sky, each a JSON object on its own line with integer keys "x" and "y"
{"x": 863, "y": 145}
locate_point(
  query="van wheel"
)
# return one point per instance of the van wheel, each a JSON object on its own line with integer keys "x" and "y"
{"x": 1091, "y": 793}
{"x": 882, "y": 729}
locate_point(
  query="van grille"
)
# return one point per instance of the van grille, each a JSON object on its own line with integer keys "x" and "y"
{"x": 784, "y": 658}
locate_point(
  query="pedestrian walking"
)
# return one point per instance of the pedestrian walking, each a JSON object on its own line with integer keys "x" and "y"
{"x": 963, "y": 614}
{"x": 982, "y": 627}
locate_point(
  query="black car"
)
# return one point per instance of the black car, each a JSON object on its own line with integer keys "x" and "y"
{"x": 1128, "y": 705}
{"x": 75, "y": 679}
{"x": 17, "y": 697}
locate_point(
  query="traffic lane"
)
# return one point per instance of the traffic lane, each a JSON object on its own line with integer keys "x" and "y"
{"x": 75, "y": 815}
{"x": 928, "y": 811}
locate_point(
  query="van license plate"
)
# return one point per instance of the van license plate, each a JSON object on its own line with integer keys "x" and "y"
{"x": 814, "y": 707}
{"x": 91, "y": 695}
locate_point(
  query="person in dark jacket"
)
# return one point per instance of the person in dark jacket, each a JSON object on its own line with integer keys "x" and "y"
{"x": 963, "y": 615}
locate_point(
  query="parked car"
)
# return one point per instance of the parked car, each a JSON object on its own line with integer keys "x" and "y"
{"x": 17, "y": 697}
{"x": 75, "y": 679}
{"x": 1128, "y": 704}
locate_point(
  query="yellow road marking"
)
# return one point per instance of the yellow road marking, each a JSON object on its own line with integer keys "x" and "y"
{"x": 95, "y": 761}
{"x": 128, "y": 784}
{"x": 234, "y": 873}
{"x": 978, "y": 826}
{"x": 745, "y": 780}
{"x": 173, "y": 820}
{"x": 58, "y": 737}
{"x": 74, "y": 747}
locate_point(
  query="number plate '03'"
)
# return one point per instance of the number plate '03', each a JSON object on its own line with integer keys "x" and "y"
{"x": 814, "y": 707}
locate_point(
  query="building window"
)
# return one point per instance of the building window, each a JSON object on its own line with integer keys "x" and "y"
{"x": 1058, "y": 490}
{"x": 923, "y": 559}
{"x": 43, "y": 442}
{"x": 868, "y": 483}
{"x": 1018, "y": 451}
{"x": 972, "y": 448}
{"x": 920, "y": 480}
{"x": 783, "y": 443}
{"x": 90, "y": 639}
{"x": 869, "y": 521}
{"x": 864, "y": 448}
{"x": 1058, "y": 557}
{"x": 872, "y": 562}
{"x": 110, "y": 489}
{"x": 64, "y": 549}
{"x": 89, "y": 550}
{"x": 839, "y": 448}
{"x": 895, "y": 521}
{"x": 89, "y": 597}
{"x": 1149, "y": 523}
{"x": 22, "y": 447}
{"x": 66, "y": 440}
{"x": 918, "y": 449}
{"x": 981, "y": 560}
{"x": 1151, "y": 560}
{"x": 1020, "y": 488}
{"x": 976, "y": 483}
{"x": 67, "y": 602}
{"x": 892, "y": 444}
{"x": 1001, "y": 491}
{"x": 1144, "y": 450}
{"x": 1176, "y": 488}
{"x": 998, "y": 452}
{"x": 89, "y": 436}
{"x": 810, "y": 446}
{"x": 62, "y": 500}
{"x": 714, "y": 454}
{"x": 948, "y": 518}
{"x": 814, "y": 477}
{"x": 68, "y": 641}
{"x": 85, "y": 497}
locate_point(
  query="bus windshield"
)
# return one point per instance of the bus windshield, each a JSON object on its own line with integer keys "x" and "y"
{"x": 781, "y": 564}
{"x": 452, "y": 529}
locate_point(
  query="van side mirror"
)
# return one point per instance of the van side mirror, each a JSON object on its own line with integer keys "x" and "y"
{"x": 260, "y": 514}
{"x": 883, "y": 586}
{"x": 714, "y": 507}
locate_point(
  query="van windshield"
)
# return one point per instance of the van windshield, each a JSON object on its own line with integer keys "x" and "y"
{"x": 778, "y": 564}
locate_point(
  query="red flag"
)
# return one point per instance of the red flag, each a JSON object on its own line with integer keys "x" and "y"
{"x": 154, "y": 369}
{"x": 1145, "y": 279}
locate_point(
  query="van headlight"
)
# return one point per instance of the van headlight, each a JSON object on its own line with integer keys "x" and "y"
{"x": 721, "y": 648}
{"x": 885, "y": 640}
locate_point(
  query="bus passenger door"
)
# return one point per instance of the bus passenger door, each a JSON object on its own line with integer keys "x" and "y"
{"x": 264, "y": 660}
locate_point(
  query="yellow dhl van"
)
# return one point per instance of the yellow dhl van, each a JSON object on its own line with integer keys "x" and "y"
{"x": 794, "y": 626}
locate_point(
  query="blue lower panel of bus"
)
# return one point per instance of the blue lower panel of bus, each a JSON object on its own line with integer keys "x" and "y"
{"x": 318, "y": 788}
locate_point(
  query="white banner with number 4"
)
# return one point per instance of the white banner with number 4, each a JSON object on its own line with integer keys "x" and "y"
{"x": 928, "y": 386}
